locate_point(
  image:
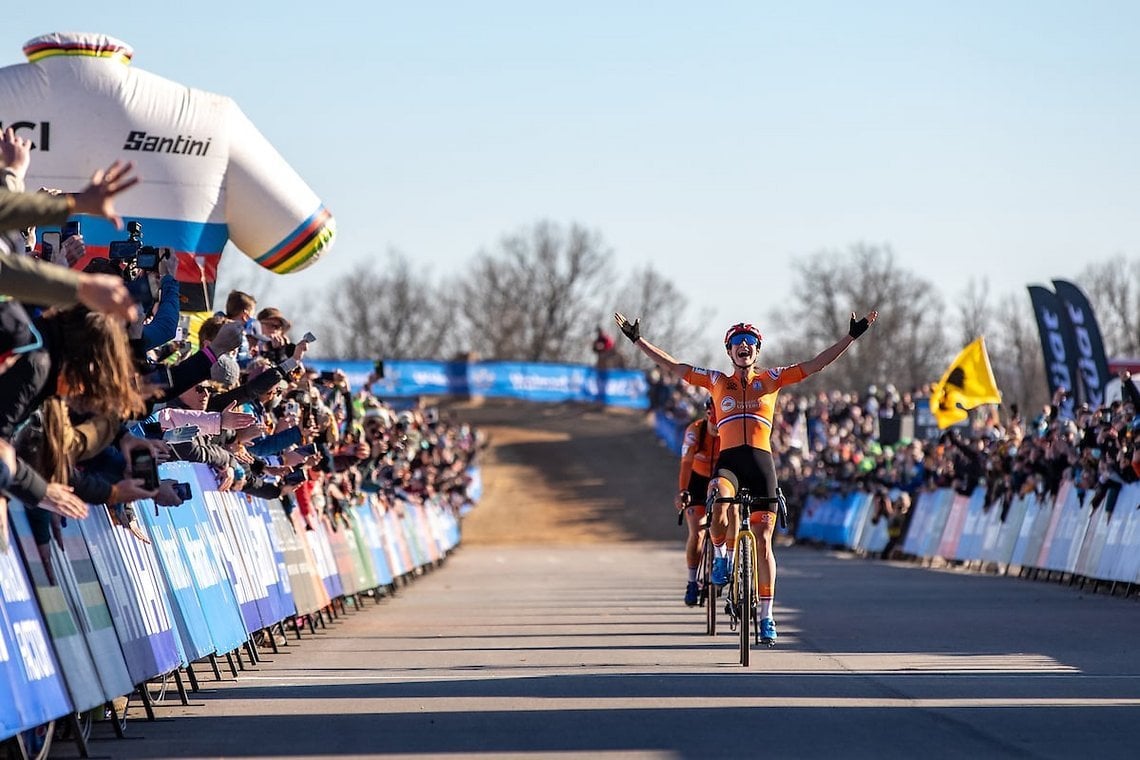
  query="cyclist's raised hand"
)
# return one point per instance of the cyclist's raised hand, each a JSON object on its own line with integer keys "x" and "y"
{"x": 632, "y": 329}
{"x": 859, "y": 326}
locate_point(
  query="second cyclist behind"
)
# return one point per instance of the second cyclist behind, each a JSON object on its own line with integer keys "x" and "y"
{"x": 744, "y": 402}
{"x": 698, "y": 455}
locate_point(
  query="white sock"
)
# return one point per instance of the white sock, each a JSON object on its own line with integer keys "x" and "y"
{"x": 765, "y": 607}
{"x": 692, "y": 575}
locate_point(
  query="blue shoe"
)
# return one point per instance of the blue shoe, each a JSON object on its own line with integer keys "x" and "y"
{"x": 767, "y": 631}
{"x": 692, "y": 593}
{"x": 720, "y": 571}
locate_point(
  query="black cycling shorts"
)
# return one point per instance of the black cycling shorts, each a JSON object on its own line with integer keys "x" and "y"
{"x": 698, "y": 488}
{"x": 753, "y": 469}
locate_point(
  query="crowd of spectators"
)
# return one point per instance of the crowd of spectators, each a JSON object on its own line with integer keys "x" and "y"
{"x": 836, "y": 442}
{"x": 101, "y": 380}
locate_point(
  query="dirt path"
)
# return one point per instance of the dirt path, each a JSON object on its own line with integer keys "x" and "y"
{"x": 570, "y": 473}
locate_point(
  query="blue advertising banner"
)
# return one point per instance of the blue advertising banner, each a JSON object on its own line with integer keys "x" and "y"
{"x": 199, "y": 548}
{"x": 254, "y": 558}
{"x": 31, "y": 688}
{"x": 221, "y": 536}
{"x": 136, "y": 596}
{"x": 270, "y": 558}
{"x": 189, "y": 619}
{"x": 47, "y": 570}
{"x": 530, "y": 381}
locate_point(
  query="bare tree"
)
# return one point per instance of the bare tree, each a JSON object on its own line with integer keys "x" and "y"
{"x": 386, "y": 312}
{"x": 907, "y": 346}
{"x": 1015, "y": 353}
{"x": 1113, "y": 288}
{"x": 532, "y": 300}
{"x": 975, "y": 313}
{"x": 664, "y": 313}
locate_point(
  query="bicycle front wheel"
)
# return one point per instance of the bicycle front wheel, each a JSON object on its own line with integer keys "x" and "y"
{"x": 745, "y": 587}
{"x": 708, "y": 553}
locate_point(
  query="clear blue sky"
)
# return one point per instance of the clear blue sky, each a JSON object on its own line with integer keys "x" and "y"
{"x": 718, "y": 141}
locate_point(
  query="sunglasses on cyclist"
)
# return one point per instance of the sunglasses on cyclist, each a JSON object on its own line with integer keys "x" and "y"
{"x": 748, "y": 338}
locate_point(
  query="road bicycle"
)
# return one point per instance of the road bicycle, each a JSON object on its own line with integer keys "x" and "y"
{"x": 743, "y": 598}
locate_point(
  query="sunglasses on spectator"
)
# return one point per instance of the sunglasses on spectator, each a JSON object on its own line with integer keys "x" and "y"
{"x": 739, "y": 338}
{"x": 202, "y": 388}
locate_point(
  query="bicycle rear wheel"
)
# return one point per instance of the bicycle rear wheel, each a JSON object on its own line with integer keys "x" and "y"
{"x": 746, "y": 599}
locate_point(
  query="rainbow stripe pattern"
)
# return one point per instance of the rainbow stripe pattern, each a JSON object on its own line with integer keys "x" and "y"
{"x": 302, "y": 246}
{"x": 53, "y": 45}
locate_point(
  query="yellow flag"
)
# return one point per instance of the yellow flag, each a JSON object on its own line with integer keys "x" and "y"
{"x": 969, "y": 382}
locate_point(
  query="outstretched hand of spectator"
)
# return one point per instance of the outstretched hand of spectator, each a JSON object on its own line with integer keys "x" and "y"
{"x": 106, "y": 293}
{"x": 63, "y": 501}
{"x": 97, "y": 198}
{"x": 632, "y": 330}
{"x": 15, "y": 152}
{"x": 235, "y": 420}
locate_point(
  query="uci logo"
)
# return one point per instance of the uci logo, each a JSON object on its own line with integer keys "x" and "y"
{"x": 727, "y": 404}
{"x": 41, "y": 133}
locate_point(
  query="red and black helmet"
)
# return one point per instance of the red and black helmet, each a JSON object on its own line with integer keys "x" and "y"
{"x": 737, "y": 329}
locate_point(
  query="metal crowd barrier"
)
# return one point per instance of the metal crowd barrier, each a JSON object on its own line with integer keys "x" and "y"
{"x": 1065, "y": 535}
{"x": 98, "y": 614}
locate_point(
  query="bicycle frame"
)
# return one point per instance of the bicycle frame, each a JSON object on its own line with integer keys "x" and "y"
{"x": 744, "y": 586}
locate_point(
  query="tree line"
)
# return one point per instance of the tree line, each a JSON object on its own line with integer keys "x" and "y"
{"x": 540, "y": 292}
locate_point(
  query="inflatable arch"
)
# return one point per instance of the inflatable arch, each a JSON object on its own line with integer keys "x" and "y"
{"x": 209, "y": 176}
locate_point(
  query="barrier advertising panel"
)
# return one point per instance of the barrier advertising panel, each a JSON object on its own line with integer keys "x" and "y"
{"x": 136, "y": 595}
{"x": 309, "y": 593}
{"x": 31, "y": 688}
{"x": 199, "y": 546}
{"x": 48, "y": 570}
{"x": 186, "y": 611}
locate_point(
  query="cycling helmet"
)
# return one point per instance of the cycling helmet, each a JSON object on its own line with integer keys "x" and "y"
{"x": 738, "y": 328}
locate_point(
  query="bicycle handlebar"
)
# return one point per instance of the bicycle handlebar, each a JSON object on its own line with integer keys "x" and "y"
{"x": 748, "y": 499}
{"x": 745, "y": 498}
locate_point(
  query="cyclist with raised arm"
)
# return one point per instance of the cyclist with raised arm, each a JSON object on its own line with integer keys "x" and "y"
{"x": 745, "y": 402}
{"x": 698, "y": 455}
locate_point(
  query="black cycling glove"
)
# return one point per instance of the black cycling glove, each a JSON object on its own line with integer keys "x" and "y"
{"x": 632, "y": 329}
{"x": 858, "y": 326}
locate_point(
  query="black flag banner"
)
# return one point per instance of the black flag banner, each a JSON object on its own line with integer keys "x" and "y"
{"x": 1057, "y": 344}
{"x": 1092, "y": 364}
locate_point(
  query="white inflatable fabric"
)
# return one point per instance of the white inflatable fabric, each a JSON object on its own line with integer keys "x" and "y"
{"x": 208, "y": 175}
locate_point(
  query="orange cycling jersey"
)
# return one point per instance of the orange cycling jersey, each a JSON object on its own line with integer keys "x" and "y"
{"x": 744, "y": 411}
{"x": 698, "y": 452}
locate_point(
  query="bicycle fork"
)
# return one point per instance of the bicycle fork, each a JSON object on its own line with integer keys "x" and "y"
{"x": 741, "y": 585}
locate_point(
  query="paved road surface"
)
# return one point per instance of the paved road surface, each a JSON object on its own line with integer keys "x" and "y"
{"x": 586, "y": 651}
